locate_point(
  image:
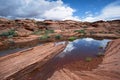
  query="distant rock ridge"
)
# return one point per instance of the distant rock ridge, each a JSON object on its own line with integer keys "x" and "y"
{"x": 32, "y": 25}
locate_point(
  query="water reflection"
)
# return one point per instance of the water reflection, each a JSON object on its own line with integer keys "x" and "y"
{"x": 85, "y": 47}
{"x": 11, "y": 51}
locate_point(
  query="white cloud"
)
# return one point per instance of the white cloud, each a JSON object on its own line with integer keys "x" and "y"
{"x": 67, "y": 50}
{"x": 104, "y": 42}
{"x": 60, "y": 13}
{"x": 37, "y": 9}
{"x": 110, "y": 12}
{"x": 88, "y": 14}
{"x": 89, "y": 39}
{"x": 69, "y": 47}
{"x": 55, "y": 10}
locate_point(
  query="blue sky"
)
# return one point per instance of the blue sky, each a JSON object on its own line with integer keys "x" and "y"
{"x": 80, "y": 10}
{"x": 83, "y": 7}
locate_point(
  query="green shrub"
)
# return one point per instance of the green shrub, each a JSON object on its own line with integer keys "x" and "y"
{"x": 72, "y": 38}
{"x": 80, "y": 31}
{"x": 10, "y": 33}
{"x": 49, "y": 31}
{"x": 76, "y": 30}
{"x": 88, "y": 59}
{"x": 37, "y": 32}
{"x": 44, "y": 37}
{"x": 58, "y": 37}
{"x": 4, "y": 34}
{"x": 10, "y": 36}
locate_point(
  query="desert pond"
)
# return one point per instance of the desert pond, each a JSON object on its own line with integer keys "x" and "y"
{"x": 73, "y": 57}
{"x": 14, "y": 50}
{"x": 85, "y": 47}
{"x": 79, "y": 48}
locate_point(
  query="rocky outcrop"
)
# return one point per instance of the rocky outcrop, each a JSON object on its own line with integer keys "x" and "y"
{"x": 25, "y": 29}
{"x": 31, "y": 25}
{"x": 108, "y": 69}
{"x": 24, "y": 62}
{"x": 19, "y": 42}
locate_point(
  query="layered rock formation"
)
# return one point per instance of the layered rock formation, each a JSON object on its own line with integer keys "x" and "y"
{"x": 27, "y": 26}
{"x": 33, "y": 64}
{"x": 18, "y": 32}
{"x": 108, "y": 69}
{"x": 24, "y": 62}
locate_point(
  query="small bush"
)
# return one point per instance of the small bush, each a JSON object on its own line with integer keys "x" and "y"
{"x": 88, "y": 59}
{"x": 72, "y": 38}
{"x": 10, "y": 33}
{"x": 37, "y": 32}
{"x": 58, "y": 37}
{"x": 49, "y": 31}
{"x": 44, "y": 37}
{"x": 4, "y": 34}
{"x": 10, "y": 36}
{"x": 80, "y": 31}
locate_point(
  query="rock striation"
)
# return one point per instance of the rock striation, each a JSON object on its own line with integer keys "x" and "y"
{"x": 24, "y": 62}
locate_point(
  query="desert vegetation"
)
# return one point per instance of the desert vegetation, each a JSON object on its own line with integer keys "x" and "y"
{"x": 88, "y": 59}
{"x": 9, "y": 34}
{"x": 44, "y": 37}
{"x": 60, "y": 49}
{"x": 81, "y": 31}
{"x": 58, "y": 36}
{"x": 72, "y": 38}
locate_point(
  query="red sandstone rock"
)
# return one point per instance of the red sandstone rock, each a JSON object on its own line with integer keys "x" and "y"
{"x": 108, "y": 69}
{"x": 27, "y": 60}
{"x": 25, "y": 27}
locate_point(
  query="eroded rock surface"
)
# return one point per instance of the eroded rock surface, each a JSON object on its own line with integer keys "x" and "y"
{"x": 26, "y": 65}
{"x": 25, "y": 28}
{"x": 108, "y": 69}
{"x": 27, "y": 60}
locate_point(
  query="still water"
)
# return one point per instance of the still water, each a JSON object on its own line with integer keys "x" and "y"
{"x": 85, "y": 47}
{"x": 79, "y": 48}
